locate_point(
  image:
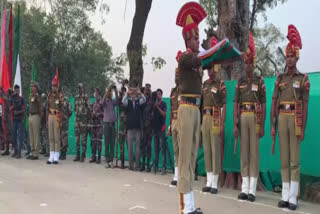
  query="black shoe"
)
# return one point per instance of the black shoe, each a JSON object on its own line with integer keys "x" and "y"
{"x": 251, "y": 198}
{"x": 148, "y": 169}
{"x": 142, "y": 169}
{"x": 29, "y": 157}
{"x": 49, "y": 162}
{"x": 292, "y": 206}
{"x": 34, "y": 158}
{"x": 27, "y": 154}
{"x": 42, "y": 152}
{"x": 98, "y": 161}
{"x": 18, "y": 156}
{"x": 243, "y": 196}
{"x": 197, "y": 211}
{"x": 83, "y": 157}
{"x": 214, "y": 191}
{"x": 174, "y": 183}
{"x": 283, "y": 204}
{"x": 206, "y": 189}
{"x": 77, "y": 158}
{"x": 5, "y": 153}
{"x": 46, "y": 155}
{"x": 55, "y": 162}
{"x": 92, "y": 160}
{"x": 122, "y": 165}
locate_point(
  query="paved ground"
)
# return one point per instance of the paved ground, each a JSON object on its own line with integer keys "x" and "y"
{"x": 32, "y": 187}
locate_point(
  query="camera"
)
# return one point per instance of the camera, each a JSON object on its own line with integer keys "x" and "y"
{"x": 154, "y": 97}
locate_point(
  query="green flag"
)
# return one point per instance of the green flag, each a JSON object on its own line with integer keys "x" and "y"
{"x": 16, "y": 43}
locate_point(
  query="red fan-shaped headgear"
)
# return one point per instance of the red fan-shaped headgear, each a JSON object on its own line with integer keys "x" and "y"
{"x": 189, "y": 16}
{"x": 295, "y": 43}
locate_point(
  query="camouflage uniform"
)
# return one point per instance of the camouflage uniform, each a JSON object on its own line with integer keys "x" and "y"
{"x": 6, "y": 120}
{"x": 96, "y": 130}
{"x": 66, "y": 113}
{"x": 81, "y": 108}
{"x": 44, "y": 143}
{"x": 147, "y": 132}
{"x": 122, "y": 129}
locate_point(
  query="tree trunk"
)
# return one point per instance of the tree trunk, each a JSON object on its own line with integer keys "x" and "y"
{"x": 233, "y": 23}
{"x": 134, "y": 47}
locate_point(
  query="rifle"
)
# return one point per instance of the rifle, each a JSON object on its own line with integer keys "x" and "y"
{"x": 274, "y": 137}
{"x": 169, "y": 155}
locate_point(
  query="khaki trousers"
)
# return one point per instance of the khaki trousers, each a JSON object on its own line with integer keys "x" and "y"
{"x": 289, "y": 148}
{"x": 249, "y": 145}
{"x": 211, "y": 146}
{"x": 175, "y": 143}
{"x": 188, "y": 135}
{"x": 54, "y": 133}
{"x": 34, "y": 134}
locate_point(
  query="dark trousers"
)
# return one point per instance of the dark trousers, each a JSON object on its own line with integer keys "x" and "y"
{"x": 109, "y": 134}
{"x": 17, "y": 134}
{"x": 159, "y": 143}
{"x": 134, "y": 135}
{"x": 146, "y": 143}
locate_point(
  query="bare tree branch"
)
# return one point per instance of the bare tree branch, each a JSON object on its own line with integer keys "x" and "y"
{"x": 274, "y": 64}
{"x": 253, "y": 15}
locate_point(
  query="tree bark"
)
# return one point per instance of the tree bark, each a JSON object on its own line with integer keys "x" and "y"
{"x": 134, "y": 47}
{"x": 233, "y": 23}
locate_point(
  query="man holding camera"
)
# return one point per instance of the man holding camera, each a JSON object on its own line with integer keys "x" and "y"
{"x": 109, "y": 119}
{"x": 133, "y": 101}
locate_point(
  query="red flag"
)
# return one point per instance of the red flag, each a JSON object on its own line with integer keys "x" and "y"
{"x": 10, "y": 48}
{"x": 4, "y": 74}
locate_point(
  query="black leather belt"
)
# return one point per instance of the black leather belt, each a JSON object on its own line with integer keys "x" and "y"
{"x": 190, "y": 100}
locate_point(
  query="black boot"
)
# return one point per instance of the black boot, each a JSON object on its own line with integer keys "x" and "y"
{"x": 83, "y": 157}
{"x": 98, "y": 161}
{"x": 148, "y": 165}
{"x": 122, "y": 162}
{"x": 93, "y": 159}
{"x": 142, "y": 169}
{"x": 77, "y": 158}
{"x": 6, "y": 152}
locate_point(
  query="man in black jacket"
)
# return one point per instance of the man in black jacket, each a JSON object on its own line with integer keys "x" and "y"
{"x": 133, "y": 101}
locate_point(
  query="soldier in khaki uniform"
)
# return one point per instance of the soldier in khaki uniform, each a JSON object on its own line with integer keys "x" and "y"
{"x": 54, "y": 108}
{"x": 249, "y": 100}
{"x": 173, "y": 127}
{"x": 190, "y": 82}
{"x": 213, "y": 108}
{"x": 34, "y": 121}
{"x": 289, "y": 107}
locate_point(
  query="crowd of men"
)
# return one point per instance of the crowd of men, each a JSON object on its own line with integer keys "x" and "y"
{"x": 125, "y": 119}
{"x": 132, "y": 117}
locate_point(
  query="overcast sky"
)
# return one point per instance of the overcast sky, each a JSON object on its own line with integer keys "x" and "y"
{"x": 163, "y": 37}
